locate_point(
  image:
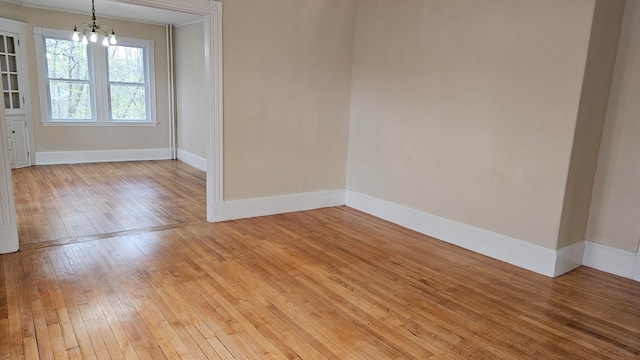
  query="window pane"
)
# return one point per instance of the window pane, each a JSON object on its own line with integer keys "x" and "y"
{"x": 70, "y": 100}
{"x": 14, "y": 81}
{"x": 128, "y": 102}
{"x": 10, "y": 46}
{"x": 66, "y": 59}
{"x": 15, "y": 97}
{"x": 126, "y": 64}
{"x": 12, "y": 64}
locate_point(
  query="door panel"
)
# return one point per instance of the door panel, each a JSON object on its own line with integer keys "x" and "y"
{"x": 19, "y": 141}
{"x": 13, "y": 96}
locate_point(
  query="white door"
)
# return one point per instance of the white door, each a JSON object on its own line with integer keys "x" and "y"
{"x": 19, "y": 141}
{"x": 14, "y": 91}
{"x": 8, "y": 224}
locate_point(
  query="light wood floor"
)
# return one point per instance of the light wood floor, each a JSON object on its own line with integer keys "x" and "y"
{"x": 62, "y": 202}
{"x": 330, "y": 283}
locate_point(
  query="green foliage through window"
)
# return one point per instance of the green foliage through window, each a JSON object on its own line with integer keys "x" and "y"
{"x": 127, "y": 83}
{"x": 68, "y": 73}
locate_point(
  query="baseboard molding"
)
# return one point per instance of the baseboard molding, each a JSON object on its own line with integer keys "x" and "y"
{"x": 240, "y": 209}
{"x": 77, "y": 157}
{"x": 520, "y": 253}
{"x": 614, "y": 261}
{"x": 569, "y": 258}
{"x": 192, "y": 159}
{"x": 636, "y": 270}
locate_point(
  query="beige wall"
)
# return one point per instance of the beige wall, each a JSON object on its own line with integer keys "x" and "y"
{"x": 593, "y": 108}
{"x": 72, "y": 138}
{"x": 287, "y": 75}
{"x": 614, "y": 219}
{"x": 191, "y": 103}
{"x": 466, "y": 109}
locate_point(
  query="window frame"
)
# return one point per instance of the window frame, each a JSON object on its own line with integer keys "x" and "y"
{"x": 97, "y": 56}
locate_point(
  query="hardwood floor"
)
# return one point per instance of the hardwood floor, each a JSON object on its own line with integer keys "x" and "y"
{"x": 62, "y": 202}
{"x": 324, "y": 284}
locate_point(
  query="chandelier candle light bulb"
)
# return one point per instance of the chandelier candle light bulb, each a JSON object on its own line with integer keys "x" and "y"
{"x": 94, "y": 29}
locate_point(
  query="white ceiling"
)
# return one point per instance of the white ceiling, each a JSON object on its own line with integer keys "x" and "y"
{"x": 107, "y": 8}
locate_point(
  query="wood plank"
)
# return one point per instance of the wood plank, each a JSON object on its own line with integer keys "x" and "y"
{"x": 326, "y": 284}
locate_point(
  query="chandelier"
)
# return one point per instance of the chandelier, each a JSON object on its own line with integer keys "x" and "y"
{"x": 92, "y": 29}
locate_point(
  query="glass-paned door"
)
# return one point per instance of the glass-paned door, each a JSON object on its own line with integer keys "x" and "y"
{"x": 9, "y": 72}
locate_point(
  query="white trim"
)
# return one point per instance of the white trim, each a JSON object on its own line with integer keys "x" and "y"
{"x": 196, "y": 21}
{"x": 192, "y": 159}
{"x": 246, "y": 208}
{"x": 99, "y": 123}
{"x": 514, "y": 251}
{"x": 569, "y": 258}
{"x": 196, "y": 7}
{"x": 609, "y": 259}
{"x": 636, "y": 270}
{"x": 213, "y": 74}
{"x": 77, "y": 157}
{"x": 171, "y": 91}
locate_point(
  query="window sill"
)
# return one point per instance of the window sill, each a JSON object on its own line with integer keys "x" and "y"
{"x": 96, "y": 123}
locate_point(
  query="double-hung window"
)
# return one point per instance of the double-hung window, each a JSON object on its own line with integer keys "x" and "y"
{"x": 94, "y": 84}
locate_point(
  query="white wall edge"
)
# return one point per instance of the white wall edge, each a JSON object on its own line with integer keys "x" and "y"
{"x": 192, "y": 159}
{"x": 246, "y": 208}
{"x": 611, "y": 260}
{"x": 513, "y": 251}
{"x": 77, "y": 157}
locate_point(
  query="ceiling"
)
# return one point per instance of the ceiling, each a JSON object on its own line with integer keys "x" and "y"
{"x": 108, "y": 8}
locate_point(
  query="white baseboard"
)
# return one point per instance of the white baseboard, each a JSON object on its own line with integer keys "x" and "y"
{"x": 614, "y": 261}
{"x": 636, "y": 270}
{"x": 569, "y": 258}
{"x": 192, "y": 159}
{"x": 77, "y": 157}
{"x": 520, "y": 253}
{"x": 239, "y": 209}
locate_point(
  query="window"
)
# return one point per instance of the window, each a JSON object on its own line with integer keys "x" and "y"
{"x": 68, "y": 84}
{"x": 93, "y": 84}
{"x": 127, "y": 83}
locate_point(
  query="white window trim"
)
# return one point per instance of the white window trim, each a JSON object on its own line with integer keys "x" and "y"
{"x": 101, "y": 112}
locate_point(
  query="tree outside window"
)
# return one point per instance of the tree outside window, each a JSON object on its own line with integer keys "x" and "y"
{"x": 127, "y": 78}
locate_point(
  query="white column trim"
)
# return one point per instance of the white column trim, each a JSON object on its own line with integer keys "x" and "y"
{"x": 8, "y": 222}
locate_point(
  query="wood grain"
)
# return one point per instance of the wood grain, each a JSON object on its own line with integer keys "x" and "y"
{"x": 66, "y": 202}
{"x": 324, "y": 284}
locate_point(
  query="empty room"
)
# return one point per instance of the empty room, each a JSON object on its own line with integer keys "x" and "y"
{"x": 320, "y": 179}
